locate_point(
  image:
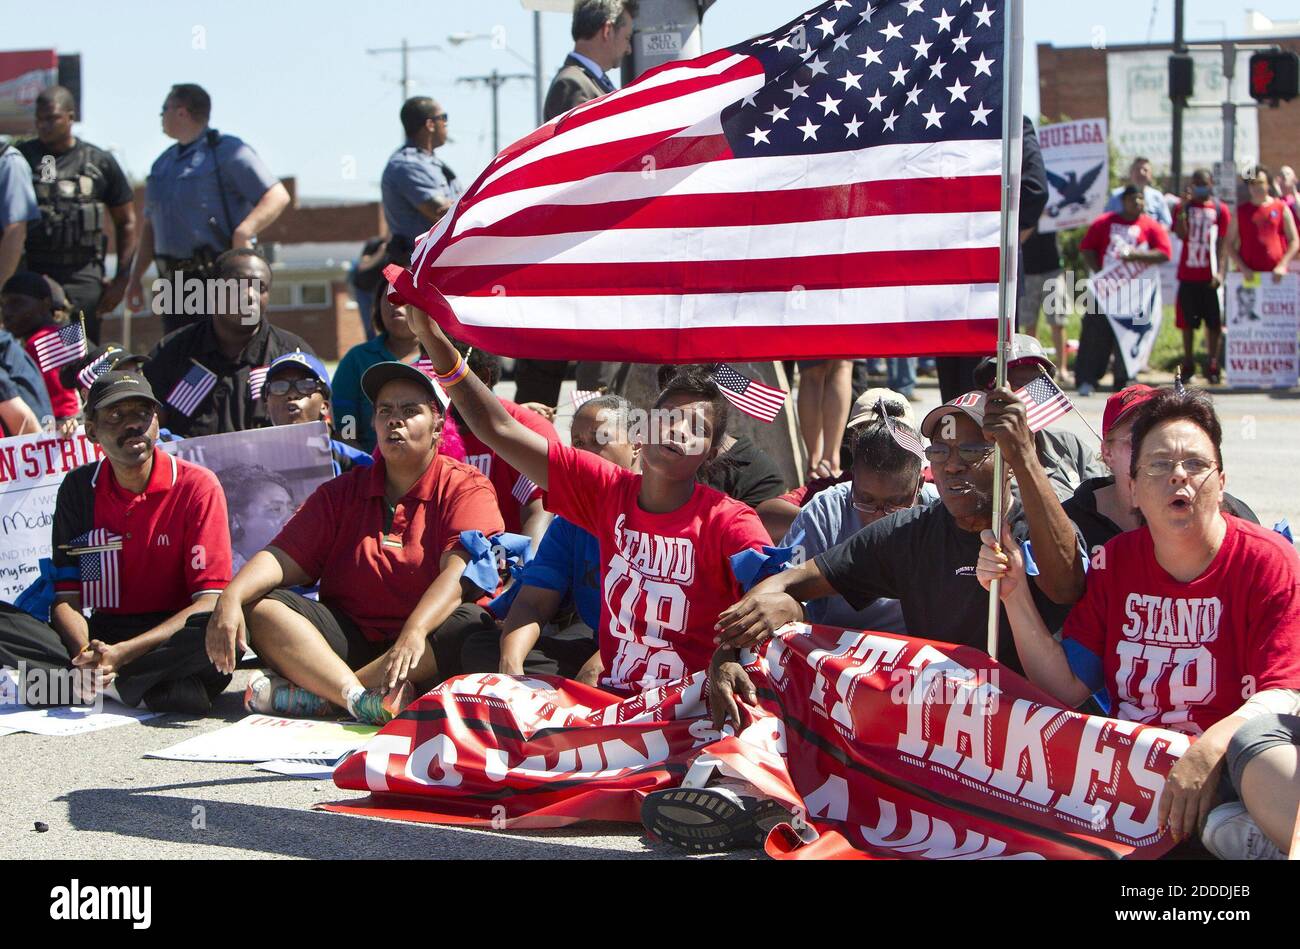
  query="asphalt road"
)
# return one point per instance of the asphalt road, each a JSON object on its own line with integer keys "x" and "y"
{"x": 102, "y": 799}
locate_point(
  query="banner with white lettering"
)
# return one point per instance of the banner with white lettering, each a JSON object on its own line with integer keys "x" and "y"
{"x": 1263, "y": 322}
{"x": 31, "y": 469}
{"x": 1077, "y": 160}
{"x": 886, "y": 746}
{"x": 1129, "y": 294}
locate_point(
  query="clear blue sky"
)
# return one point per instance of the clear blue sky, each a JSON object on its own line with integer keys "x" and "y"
{"x": 292, "y": 77}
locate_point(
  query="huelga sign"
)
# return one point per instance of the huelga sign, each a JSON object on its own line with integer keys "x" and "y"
{"x": 884, "y": 745}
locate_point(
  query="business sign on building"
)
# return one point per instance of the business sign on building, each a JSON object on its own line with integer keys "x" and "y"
{"x": 1141, "y": 113}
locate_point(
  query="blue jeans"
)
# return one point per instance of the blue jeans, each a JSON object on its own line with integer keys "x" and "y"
{"x": 902, "y": 375}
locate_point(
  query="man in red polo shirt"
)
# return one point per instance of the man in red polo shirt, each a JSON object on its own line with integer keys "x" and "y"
{"x": 384, "y": 543}
{"x": 145, "y": 535}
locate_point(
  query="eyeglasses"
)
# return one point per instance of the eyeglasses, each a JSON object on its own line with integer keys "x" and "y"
{"x": 938, "y": 453}
{"x": 301, "y": 386}
{"x": 440, "y": 117}
{"x": 880, "y": 510}
{"x": 1164, "y": 467}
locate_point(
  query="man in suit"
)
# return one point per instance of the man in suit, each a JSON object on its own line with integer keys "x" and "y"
{"x": 602, "y": 37}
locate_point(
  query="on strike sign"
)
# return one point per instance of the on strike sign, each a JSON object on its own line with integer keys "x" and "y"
{"x": 1263, "y": 322}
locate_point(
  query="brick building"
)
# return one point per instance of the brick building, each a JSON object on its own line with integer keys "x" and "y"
{"x": 311, "y": 248}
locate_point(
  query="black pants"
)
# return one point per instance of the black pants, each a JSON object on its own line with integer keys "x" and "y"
{"x": 539, "y": 380}
{"x": 84, "y": 288}
{"x": 152, "y": 678}
{"x": 561, "y": 652}
{"x": 1096, "y": 346}
{"x": 350, "y": 644}
{"x": 956, "y": 375}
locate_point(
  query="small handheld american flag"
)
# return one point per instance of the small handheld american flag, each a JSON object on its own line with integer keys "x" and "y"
{"x": 192, "y": 389}
{"x": 66, "y": 344}
{"x": 256, "y": 379}
{"x": 523, "y": 490}
{"x": 904, "y": 435}
{"x": 753, "y": 398}
{"x": 97, "y": 552}
{"x": 88, "y": 374}
{"x": 582, "y": 396}
{"x": 1044, "y": 402}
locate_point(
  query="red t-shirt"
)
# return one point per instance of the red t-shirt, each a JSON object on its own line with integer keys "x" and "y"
{"x": 514, "y": 491}
{"x": 376, "y": 578}
{"x": 65, "y": 403}
{"x": 664, "y": 577}
{"x": 1110, "y": 235}
{"x": 1186, "y": 655}
{"x": 175, "y": 535}
{"x": 1262, "y": 228}
{"x": 1207, "y": 221}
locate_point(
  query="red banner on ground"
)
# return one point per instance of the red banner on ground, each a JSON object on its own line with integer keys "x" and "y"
{"x": 884, "y": 745}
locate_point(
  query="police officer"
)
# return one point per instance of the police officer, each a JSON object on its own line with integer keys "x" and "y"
{"x": 74, "y": 183}
{"x": 418, "y": 188}
{"x": 17, "y": 209}
{"x": 206, "y": 194}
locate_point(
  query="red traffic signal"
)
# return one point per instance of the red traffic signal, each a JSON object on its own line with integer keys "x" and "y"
{"x": 1274, "y": 76}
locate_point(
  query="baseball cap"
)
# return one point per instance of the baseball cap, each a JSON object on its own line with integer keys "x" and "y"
{"x": 1123, "y": 404}
{"x": 971, "y": 403}
{"x": 58, "y": 299}
{"x": 303, "y": 360}
{"x": 382, "y": 373}
{"x": 114, "y": 387}
{"x": 25, "y": 283}
{"x": 864, "y": 407}
{"x": 1024, "y": 348}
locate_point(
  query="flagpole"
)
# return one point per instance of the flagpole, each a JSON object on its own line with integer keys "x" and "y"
{"x": 1013, "y": 53}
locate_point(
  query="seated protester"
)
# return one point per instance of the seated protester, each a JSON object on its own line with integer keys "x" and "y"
{"x": 16, "y": 416}
{"x": 1063, "y": 455}
{"x": 28, "y": 314}
{"x": 23, "y": 382}
{"x": 665, "y": 539}
{"x": 1176, "y": 616}
{"x": 885, "y": 477}
{"x": 925, "y": 556}
{"x": 553, "y": 611}
{"x": 1103, "y": 507}
{"x": 519, "y": 498}
{"x": 297, "y": 389}
{"x": 393, "y": 342}
{"x": 259, "y": 502}
{"x": 779, "y": 513}
{"x": 147, "y": 532}
{"x": 384, "y": 542}
{"x": 209, "y": 374}
{"x": 741, "y": 470}
{"x": 1262, "y": 761}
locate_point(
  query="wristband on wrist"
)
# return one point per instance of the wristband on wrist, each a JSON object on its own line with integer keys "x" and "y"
{"x": 453, "y": 375}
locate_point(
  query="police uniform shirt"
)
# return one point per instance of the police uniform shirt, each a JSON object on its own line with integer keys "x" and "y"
{"x": 412, "y": 177}
{"x": 17, "y": 199}
{"x": 104, "y": 184}
{"x": 229, "y": 406}
{"x": 183, "y": 201}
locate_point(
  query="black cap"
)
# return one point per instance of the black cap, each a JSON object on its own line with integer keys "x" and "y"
{"x": 114, "y": 387}
{"x": 25, "y": 283}
{"x": 382, "y": 373}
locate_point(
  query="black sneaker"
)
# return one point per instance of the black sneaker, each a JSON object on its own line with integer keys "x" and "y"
{"x": 710, "y": 820}
{"x": 1212, "y": 374}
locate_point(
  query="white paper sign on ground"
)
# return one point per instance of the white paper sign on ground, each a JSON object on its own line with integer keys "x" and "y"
{"x": 1077, "y": 161}
{"x": 317, "y": 769}
{"x": 62, "y": 721}
{"x": 268, "y": 737}
{"x": 1263, "y": 319}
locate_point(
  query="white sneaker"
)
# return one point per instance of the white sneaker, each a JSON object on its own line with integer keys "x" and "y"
{"x": 1232, "y": 834}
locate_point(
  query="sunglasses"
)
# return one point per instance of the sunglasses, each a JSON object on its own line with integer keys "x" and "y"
{"x": 939, "y": 453}
{"x": 300, "y": 386}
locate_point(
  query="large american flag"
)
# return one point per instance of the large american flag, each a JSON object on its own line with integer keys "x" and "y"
{"x": 831, "y": 188}
{"x": 97, "y": 552}
{"x": 1044, "y": 402}
{"x": 64, "y": 345}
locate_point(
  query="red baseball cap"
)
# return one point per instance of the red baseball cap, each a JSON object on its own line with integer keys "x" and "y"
{"x": 1122, "y": 404}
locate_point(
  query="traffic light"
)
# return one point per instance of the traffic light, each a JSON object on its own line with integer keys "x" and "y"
{"x": 1180, "y": 76}
{"x": 1274, "y": 76}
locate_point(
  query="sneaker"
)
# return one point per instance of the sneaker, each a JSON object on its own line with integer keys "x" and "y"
{"x": 374, "y": 707}
{"x": 1212, "y": 374}
{"x": 275, "y": 695}
{"x": 1232, "y": 834}
{"x": 1085, "y": 389}
{"x": 1188, "y": 369}
{"x": 710, "y": 820}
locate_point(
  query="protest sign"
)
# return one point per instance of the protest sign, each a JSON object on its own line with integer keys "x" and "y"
{"x": 1129, "y": 294}
{"x": 268, "y": 738}
{"x": 1263, "y": 320}
{"x": 31, "y": 469}
{"x": 1078, "y": 172}
{"x": 62, "y": 720}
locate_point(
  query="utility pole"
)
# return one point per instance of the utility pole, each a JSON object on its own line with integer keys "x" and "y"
{"x": 1176, "y": 139}
{"x": 537, "y": 64}
{"x": 406, "y": 50}
{"x": 494, "y": 81}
